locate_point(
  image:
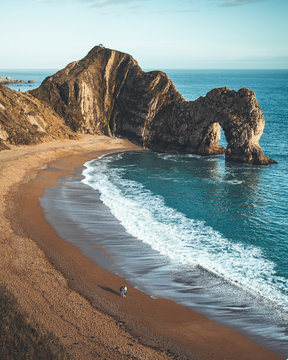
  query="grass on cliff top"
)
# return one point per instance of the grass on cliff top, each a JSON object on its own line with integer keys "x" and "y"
{"x": 21, "y": 338}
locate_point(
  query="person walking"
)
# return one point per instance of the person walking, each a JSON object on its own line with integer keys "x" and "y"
{"x": 123, "y": 291}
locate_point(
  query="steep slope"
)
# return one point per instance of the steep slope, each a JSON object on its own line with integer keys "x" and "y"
{"x": 25, "y": 120}
{"x": 107, "y": 92}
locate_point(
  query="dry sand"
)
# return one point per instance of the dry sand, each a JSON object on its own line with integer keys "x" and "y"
{"x": 75, "y": 299}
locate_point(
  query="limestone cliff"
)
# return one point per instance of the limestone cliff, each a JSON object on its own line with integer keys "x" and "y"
{"x": 107, "y": 92}
{"x": 25, "y": 120}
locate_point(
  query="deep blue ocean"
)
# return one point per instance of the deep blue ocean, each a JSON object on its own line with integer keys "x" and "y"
{"x": 208, "y": 234}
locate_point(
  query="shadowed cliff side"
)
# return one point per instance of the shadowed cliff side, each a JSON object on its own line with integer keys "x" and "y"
{"x": 25, "y": 120}
{"x": 107, "y": 92}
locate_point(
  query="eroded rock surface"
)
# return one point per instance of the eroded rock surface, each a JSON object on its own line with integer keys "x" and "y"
{"x": 107, "y": 92}
{"x": 26, "y": 120}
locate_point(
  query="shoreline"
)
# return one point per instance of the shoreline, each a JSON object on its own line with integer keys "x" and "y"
{"x": 155, "y": 324}
{"x": 75, "y": 211}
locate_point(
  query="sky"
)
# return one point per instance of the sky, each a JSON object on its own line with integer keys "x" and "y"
{"x": 159, "y": 34}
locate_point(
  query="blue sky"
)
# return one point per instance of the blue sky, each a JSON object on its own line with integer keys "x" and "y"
{"x": 159, "y": 34}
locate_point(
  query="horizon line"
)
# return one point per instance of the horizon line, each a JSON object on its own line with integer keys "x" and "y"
{"x": 160, "y": 68}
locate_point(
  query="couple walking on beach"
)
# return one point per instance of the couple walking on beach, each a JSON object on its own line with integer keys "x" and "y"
{"x": 123, "y": 291}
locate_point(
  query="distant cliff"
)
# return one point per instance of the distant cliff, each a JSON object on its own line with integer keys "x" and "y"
{"x": 107, "y": 92}
{"x": 26, "y": 120}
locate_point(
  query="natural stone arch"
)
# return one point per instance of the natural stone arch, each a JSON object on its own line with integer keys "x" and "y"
{"x": 194, "y": 126}
{"x": 242, "y": 121}
{"x": 122, "y": 100}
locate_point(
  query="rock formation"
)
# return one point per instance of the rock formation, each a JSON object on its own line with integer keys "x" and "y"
{"x": 25, "y": 120}
{"x": 107, "y": 92}
{"x": 8, "y": 80}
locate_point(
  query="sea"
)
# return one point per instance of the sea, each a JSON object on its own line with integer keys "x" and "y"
{"x": 207, "y": 234}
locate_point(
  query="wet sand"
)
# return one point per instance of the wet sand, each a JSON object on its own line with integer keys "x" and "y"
{"x": 77, "y": 300}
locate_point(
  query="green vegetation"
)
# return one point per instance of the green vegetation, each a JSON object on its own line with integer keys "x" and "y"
{"x": 20, "y": 337}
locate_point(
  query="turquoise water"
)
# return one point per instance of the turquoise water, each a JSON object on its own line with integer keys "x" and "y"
{"x": 208, "y": 234}
{"x": 235, "y": 213}
{"x": 229, "y": 220}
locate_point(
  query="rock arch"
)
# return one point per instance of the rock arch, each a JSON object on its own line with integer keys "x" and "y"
{"x": 239, "y": 115}
{"x": 195, "y": 126}
{"x": 122, "y": 100}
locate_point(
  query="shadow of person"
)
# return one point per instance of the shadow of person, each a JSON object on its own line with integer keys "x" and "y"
{"x": 110, "y": 290}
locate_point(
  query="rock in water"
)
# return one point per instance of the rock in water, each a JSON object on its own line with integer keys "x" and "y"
{"x": 107, "y": 92}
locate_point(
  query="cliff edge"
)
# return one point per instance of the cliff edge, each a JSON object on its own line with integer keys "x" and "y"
{"x": 25, "y": 120}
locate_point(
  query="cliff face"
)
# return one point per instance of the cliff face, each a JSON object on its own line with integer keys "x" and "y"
{"x": 25, "y": 120}
{"x": 107, "y": 92}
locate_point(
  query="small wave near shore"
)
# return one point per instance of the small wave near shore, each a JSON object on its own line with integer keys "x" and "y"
{"x": 221, "y": 268}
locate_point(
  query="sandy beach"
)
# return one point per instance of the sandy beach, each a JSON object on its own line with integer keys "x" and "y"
{"x": 75, "y": 299}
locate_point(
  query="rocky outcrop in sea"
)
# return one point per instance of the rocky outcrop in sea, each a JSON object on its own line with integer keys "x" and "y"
{"x": 8, "y": 80}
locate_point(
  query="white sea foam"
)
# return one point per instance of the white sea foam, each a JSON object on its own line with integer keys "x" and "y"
{"x": 185, "y": 241}
{"x": 175, "y": 157}
{"x": 235, "y": 182}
